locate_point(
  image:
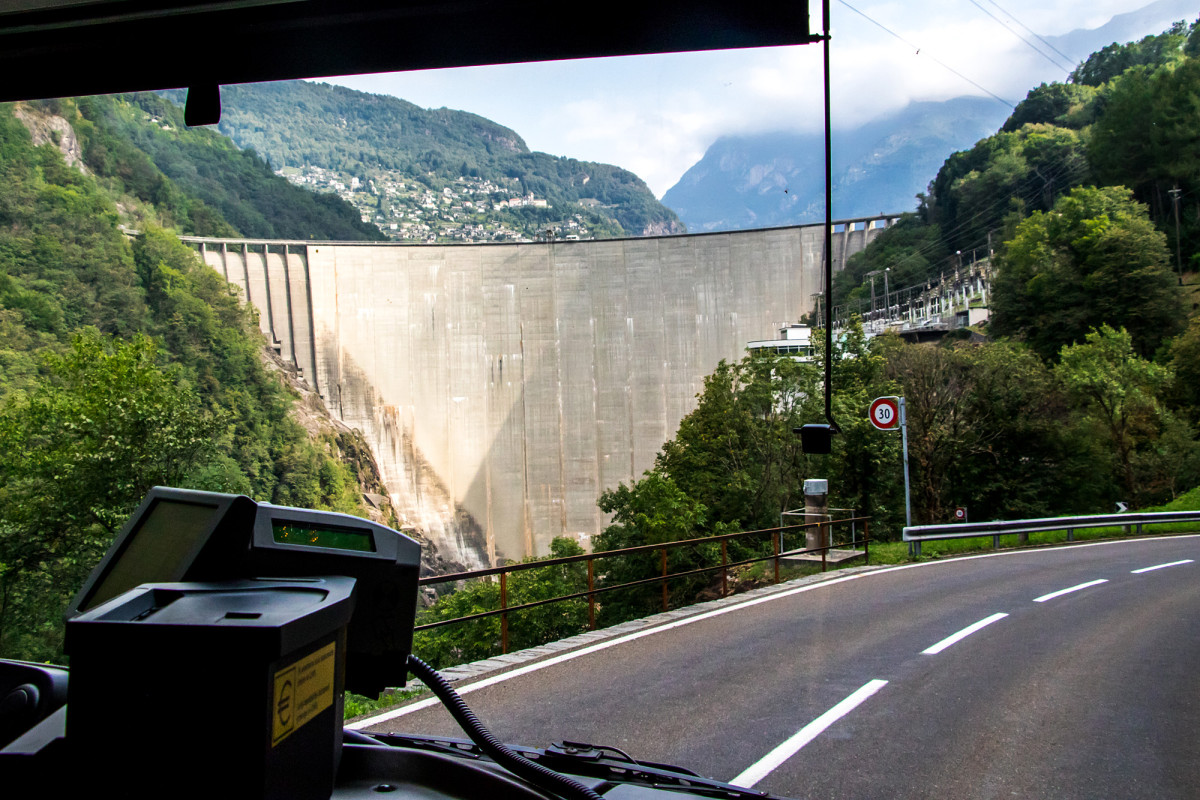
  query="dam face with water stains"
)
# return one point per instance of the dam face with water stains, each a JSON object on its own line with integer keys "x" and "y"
{"x": 504, "y": 387}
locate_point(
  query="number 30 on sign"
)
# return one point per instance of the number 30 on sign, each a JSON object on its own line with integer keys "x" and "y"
{"x": 885, "y": 413}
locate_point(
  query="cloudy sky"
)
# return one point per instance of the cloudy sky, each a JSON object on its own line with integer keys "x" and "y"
{"x": 656, "y": 115}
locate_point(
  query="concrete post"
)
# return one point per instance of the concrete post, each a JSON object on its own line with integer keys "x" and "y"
{"x": 246, "y": 272}
{"x": 816, "y": 509}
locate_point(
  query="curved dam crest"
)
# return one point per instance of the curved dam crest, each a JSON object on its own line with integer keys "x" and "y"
{"x": 503, "y": 387}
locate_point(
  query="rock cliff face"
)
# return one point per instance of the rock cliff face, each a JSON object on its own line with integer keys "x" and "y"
{"x": 665, "y": 228}
{"x": 52, "y": 129}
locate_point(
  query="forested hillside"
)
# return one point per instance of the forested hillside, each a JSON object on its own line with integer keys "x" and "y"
{"x": 1086, "y": 393}
{"x": 140, "y": 141}
{"x": 1126, "y": 123}
{"x": 124, "y": 361}
{"x": 397, "y": 162}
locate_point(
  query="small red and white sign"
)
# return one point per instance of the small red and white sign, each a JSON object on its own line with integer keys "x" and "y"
{"x": 885, "y": 413}
{"x": 960, "y": 514}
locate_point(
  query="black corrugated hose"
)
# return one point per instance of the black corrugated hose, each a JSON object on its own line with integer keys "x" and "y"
{"x": 544, "y": 778}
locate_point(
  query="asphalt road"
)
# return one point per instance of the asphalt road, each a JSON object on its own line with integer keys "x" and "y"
{"x": 961, "y": 679}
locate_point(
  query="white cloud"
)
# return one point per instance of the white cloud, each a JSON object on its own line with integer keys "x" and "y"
{"x": 656, "y": 115}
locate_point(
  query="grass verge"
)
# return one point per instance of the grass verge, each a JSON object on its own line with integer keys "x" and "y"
{"x": 358, "y": 705}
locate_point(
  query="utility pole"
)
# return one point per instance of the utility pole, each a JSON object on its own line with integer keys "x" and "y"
{"x": 907, "y": 491}
{"x": 1178, "y": 258}
{"x": 887, "y": 308}
{"x": 832, "y": 426}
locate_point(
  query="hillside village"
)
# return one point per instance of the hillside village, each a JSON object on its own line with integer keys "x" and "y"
{"x": 466, "y": 210}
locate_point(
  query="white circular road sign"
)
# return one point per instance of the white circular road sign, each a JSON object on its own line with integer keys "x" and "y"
{"x": 885, "y": 413}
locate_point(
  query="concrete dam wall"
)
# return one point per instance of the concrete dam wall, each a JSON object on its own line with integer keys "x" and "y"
{"x": 504, "y": 387}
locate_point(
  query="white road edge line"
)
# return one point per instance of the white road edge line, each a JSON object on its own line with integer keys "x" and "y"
{"x": 584, "y": 651}
{"x": 964, "y": 633}
{"x": 1061, "y": 592}
{"x": 768, "y": 763}
{"x": 474, "y": 686}
{"x": 1160, "y": 566}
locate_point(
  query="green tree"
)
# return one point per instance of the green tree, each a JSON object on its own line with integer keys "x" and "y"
{"x": 1149, "y": 140}
{"x": 1095, "y": 259}
{"x": 553, "y": 621}
{"x": 735, "y": 463}
{"x": 1115, "y": 59}
{"x": 1025, "y": 170}
{"x": 1153, "y": 455}
{"x": 866, "y": 469}
{"x": 471, "y": 641}
{"x": 650, "y": 511}
{"x": 1184, "y": 361}
{"x": 463, "y": 642}
{"x": 736, "y": 454}
{"x": 935, "y": 382}
{"x": 1066, "y": 105}
{"x": 1121, "y": 151}
{"x": 1027, "y": 461}
{"x": 184, "y": 362}
{"x": 987, "y": 430}
{"x": 81, "y": 451}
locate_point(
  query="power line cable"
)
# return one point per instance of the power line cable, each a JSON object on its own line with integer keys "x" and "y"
{"x": 1064, "y": 170}
{"x": 1069, "y": 59}
{"x": 942, "y": 64}
{"x": 1029, "y": 194}
{"x": 1028, "y": 43}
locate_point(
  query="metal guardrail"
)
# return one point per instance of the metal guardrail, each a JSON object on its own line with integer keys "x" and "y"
{"x": 968, "y": 530}
{"x": 593, "y": 589}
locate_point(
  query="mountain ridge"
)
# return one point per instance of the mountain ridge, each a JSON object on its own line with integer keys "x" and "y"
{"x": 740, "y": 181}
{"x": 778, "y": 178}
{"x": 434, "y": 174}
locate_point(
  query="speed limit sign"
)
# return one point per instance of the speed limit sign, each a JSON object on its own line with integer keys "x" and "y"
{"x": 885, "y": 413}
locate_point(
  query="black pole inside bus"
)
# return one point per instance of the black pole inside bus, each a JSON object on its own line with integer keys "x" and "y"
{"x": 833, "y": 427}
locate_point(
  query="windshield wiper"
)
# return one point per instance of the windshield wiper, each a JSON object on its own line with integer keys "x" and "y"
{"x": 582, "y": 760}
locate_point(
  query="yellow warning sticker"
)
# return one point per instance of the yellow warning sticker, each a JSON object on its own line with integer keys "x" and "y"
{"x": 302, "y": 690}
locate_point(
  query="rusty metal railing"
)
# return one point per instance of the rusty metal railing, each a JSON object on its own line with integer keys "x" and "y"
{"x": 664, "y": 577}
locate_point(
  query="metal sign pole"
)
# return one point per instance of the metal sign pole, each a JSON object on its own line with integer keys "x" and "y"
{"x": 833, "y": 426}
{"x": 884, "y": 414}
{"x": 914, "y": 548}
